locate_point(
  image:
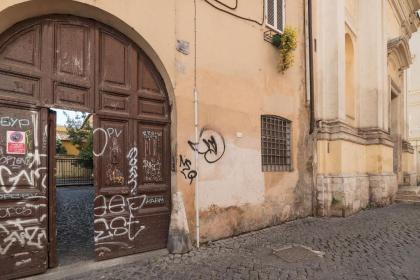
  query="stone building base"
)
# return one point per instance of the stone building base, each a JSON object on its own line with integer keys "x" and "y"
{"x": 410, "y": 179}
{"x": 382, "y": 188}
{"x": 342, "y": 195}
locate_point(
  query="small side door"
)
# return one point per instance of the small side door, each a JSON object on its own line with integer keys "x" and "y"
{"x": 23, "y": 191}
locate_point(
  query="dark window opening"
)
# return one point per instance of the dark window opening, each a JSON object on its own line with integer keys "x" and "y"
{"x": 275, "y": 144}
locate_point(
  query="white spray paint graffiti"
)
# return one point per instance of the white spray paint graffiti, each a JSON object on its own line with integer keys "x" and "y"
{"x": 132, "y": 161}
{"x": 108, "y": 133}
{"x": 28, "y": 173}
{"x": 22, "y": 235}
{"x": 119, "y": 225}
{"x": 7, "y": 121}
{"x": 152, "y": 170}
{"x": 7, "y": 212}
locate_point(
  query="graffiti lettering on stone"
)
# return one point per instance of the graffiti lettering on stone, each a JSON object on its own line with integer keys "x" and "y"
{"x": 132, "y": 162}
{"x": 211, "y": 145}
{"x": 185, "y": 165}
{"x": 123, "y": 222}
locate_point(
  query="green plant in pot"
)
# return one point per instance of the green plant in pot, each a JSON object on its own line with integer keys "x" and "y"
{"x": 286, "y": 43}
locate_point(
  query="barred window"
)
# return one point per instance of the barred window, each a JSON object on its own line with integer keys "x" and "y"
{"x": 275, "y": 143}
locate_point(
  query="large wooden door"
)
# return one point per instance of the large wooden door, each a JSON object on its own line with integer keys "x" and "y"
{"x": 131, "y": 141}
{"x": 23, "y": 191}
{"x": 79, "y": 64}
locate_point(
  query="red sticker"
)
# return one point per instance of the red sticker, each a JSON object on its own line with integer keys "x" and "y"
{"x": 16, "y": 143}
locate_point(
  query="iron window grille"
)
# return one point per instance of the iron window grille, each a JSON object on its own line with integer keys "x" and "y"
{"x": 275, "y": 144}
{"x": 275, "y": 15}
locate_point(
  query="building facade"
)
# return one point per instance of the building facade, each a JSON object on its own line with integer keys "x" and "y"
{"x": 362, "y": 53}
{"x": 197, "y": 135}
{"x": 179, "y": 93}
{"x": 413, "y": 86}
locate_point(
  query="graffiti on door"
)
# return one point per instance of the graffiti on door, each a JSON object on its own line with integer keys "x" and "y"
{"x": 152, "y": 162}
{"x": 25, "y": 168}
{"x": 23, "y": 184}
{"x": 120, "y": 223}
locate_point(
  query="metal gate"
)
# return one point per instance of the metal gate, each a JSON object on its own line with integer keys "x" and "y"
{"x": 73, "y": 171}
{"x": 74, "y": 63}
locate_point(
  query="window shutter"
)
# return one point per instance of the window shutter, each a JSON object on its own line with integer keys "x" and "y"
{"x": 280, "y": 15}
{"x": 271, "y": 13}
{"x": 275, "y": 15}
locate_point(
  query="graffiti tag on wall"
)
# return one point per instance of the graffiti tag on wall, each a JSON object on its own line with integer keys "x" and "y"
{"x": 211, "y": 145}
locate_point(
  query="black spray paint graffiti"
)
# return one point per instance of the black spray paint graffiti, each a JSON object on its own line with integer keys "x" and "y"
{"x": 211, "y": 145}
{"x": 186, "y": 170}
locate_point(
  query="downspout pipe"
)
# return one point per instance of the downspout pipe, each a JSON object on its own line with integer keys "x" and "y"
{"x": 311, "y": 69}
{"x": 197, "y": 179}
{"x": 310, "y": 84}
{"x": 196, "y": 155}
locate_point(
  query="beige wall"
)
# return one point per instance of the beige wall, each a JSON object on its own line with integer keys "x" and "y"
{"x": 237, "y": 82}
{"x": 357, "y": 153}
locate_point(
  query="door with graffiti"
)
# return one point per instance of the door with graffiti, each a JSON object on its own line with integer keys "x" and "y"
{"x": 79, "y": 64}
{"x": 132, "y": 202}
{"x": 23, "y": 191}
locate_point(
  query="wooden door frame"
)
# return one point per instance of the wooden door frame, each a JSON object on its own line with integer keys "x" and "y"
{"x": 52, "y": 195}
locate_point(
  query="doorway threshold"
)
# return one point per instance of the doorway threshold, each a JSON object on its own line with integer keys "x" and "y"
{"x": 61, "y": 272}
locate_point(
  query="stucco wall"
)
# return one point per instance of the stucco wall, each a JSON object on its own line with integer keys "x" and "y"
{"x": 236, "y": 80}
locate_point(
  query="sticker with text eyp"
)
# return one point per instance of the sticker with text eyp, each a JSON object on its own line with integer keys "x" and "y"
{"x": 16, "y": 142}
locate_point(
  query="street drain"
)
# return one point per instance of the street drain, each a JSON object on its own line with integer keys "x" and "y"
{"x": 295, "y": 253}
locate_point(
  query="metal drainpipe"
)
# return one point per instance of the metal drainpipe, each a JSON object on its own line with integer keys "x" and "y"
{"x": 311, "y": 69}
{"x": 197, "y": 181}
{"x": 310, "y": 81}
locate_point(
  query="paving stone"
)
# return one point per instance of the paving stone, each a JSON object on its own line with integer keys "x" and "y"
{"x": 75, "y": 224}
{"x": 382, "y": 243}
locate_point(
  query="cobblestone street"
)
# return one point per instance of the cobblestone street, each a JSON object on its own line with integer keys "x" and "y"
{"x": 75, "y": 224}
{"x": 381, "y": 243}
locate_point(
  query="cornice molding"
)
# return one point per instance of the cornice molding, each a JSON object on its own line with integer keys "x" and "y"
{"x": 401, "y": 49}
{"x": 338, "y": 130}
{"x": 407, "y": 147}
{"x": 405, "y": 11}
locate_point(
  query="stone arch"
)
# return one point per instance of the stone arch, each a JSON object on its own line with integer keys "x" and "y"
{"x": 35, "y": 8}
{"x": 77, "y": 63}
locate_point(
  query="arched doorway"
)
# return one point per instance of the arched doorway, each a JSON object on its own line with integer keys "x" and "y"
{"x": 79, "y": 64}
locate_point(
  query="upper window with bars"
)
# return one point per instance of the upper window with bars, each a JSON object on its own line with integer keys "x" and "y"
{"x": 275, "y": 15}
{"x": 276, "y": 143}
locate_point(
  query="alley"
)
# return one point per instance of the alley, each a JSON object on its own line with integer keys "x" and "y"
{"x": 381, "y": 243}
{"x": 75, "y": 224}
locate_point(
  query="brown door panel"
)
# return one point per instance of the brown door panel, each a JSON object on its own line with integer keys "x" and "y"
{"x": 23, "y": 191}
